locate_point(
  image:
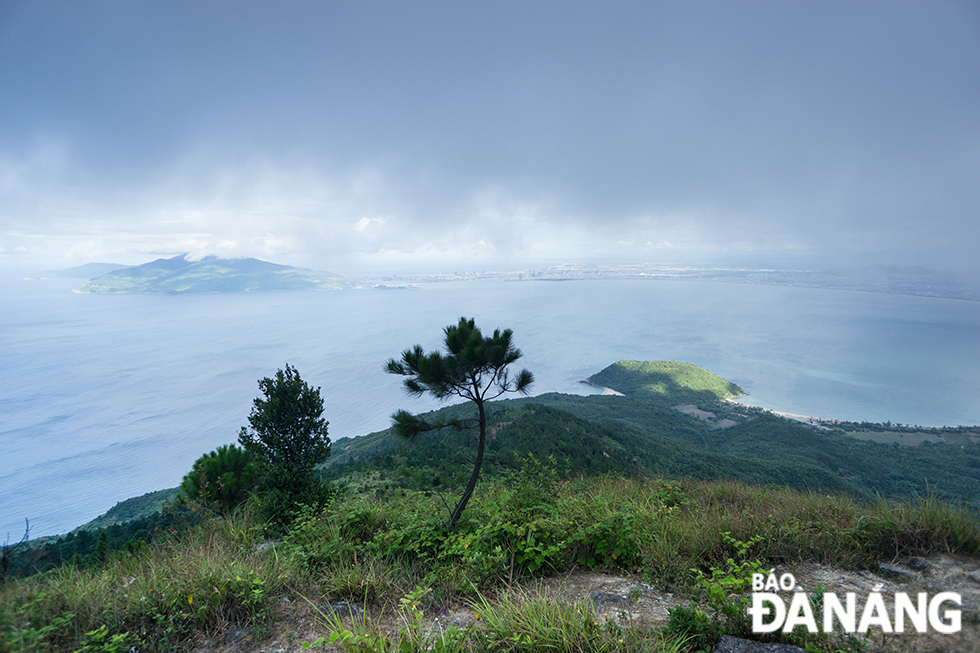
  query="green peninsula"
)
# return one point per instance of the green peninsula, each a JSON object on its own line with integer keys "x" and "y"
{"x": 181, "y": 275}
{"x": 665, "y": 382}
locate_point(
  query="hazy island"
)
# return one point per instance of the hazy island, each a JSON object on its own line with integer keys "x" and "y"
{"x": 181, "y": 275}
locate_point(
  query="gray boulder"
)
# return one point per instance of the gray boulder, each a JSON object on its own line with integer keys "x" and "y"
{"x": 729, "y": 644}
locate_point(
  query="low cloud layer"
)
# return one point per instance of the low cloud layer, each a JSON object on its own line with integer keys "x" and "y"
{"x": 437, "y": 134}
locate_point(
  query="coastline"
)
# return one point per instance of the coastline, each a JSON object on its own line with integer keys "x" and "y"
{"x": 818, "y": 422}
{"x": 605, "y": 391}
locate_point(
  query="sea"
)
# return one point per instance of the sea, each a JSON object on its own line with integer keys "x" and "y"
{"x": 106, "y": 397}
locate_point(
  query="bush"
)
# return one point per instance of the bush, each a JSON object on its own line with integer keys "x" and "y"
{"x": 287, "y": 436}
{"x": 222, "y": 478}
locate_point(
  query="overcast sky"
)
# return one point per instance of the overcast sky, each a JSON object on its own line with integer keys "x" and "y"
{"x": 358, "y": 135}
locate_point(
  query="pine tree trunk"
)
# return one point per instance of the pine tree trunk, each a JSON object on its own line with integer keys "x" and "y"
{"x": 458, "y": 512}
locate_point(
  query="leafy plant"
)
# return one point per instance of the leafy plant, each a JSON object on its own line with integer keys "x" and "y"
{"x": 724, "y": 591}
{"x": 609, "y": 543}
{"x": 101, "y": 641}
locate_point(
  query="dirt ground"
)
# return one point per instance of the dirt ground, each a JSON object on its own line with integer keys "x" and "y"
{"x": 631, "y": 600}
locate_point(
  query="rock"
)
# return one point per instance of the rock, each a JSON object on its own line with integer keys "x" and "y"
{"x": 895, "y": 572}
{"x": 342, "y": 609}
{"x": 267, "y": 544}
{"x": 605, "y": 598}
{"x": 975, "y": 576}
{"x": 919, "y": 564}
{"x": 729, "y": 644}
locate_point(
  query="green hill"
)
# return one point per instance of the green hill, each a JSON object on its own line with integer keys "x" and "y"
{"x": 579, "y": 447}
{"x": 640, "y": 435}
{"x": 665, "y": 382}
{"x": 180, "y": 275}
{"x": 139, "y": 507}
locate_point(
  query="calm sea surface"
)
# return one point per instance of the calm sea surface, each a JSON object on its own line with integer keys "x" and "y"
{"x": 106, "y": 397}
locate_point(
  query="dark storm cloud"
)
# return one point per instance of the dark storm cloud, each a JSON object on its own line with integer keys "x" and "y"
{"x": 523, "y": 129}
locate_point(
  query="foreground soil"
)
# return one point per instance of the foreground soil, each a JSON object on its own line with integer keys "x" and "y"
{"x": 633, "y": 601}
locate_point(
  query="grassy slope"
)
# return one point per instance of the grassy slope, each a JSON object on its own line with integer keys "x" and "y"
{"x": 377, "y": 546}
{"x": 372, "y": 550}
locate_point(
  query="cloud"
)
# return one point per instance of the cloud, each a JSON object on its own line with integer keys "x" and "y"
{"x": 466, "y": 132}
{"x": 366, "y": 222}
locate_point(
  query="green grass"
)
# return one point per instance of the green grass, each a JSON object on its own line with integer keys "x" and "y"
{"x": 206, "y": 579}
{"x": 376, "y": 550}
{"x": 515, "y": 620}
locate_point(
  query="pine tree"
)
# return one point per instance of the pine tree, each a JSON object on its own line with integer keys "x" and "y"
{"x": 221, "y": 478}
{"x": 474, "y": 368}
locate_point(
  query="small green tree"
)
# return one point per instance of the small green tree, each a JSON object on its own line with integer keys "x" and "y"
{"x": 474, "y": 368}
{"x": 287, "y": 436}
{"x": 221, "y": 478}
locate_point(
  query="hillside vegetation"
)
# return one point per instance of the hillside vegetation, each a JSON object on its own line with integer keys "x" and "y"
{"x": 131, "y": 509}
{"x": 389, "y": 554}
{"x": 643, "y": 434}
{"x": 688, "y": 501}
{"x": 639, "y": 437}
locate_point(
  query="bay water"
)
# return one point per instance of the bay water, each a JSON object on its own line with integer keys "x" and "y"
{"x": 105, "y": 397}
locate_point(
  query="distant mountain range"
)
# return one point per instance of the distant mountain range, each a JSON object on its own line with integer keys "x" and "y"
{"x": 211, "y": 274}
{"x": 180, "y": 275}
{"x": 87, "y": 271}
{"x": 888, "y": 279}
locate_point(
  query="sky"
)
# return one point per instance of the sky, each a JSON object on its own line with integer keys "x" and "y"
{"x": 358, "y": 136}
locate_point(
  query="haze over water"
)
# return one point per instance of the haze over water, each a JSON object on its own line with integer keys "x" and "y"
{"x": 108, "y": 397}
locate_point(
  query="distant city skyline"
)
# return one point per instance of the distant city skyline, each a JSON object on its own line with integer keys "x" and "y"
{"x": 363, "y": 137}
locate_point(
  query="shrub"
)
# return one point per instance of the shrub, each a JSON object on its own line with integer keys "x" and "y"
{"x": 222, "y": 478}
